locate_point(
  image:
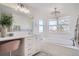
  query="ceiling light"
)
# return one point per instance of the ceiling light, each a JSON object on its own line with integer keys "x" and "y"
{"x": 56, "y": 13}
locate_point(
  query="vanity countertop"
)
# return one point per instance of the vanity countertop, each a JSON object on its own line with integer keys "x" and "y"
{"x": 16, "y": 35}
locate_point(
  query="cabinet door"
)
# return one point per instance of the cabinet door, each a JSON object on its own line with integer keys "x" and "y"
{"x": 31, "y": 46}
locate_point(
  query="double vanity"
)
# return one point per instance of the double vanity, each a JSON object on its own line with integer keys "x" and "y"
{"x": 27, "y": 46}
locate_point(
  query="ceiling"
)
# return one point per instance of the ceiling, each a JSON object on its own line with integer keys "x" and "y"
{"x": 43, "y": 10}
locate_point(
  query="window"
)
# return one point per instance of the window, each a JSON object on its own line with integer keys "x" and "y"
{"x": 58, "y": 25}
{"x": 64, "y": 23}
{"x": 41, "y": 26}
{"x": 52, "y": 25}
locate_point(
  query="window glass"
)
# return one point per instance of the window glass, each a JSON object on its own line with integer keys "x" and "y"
{"x": 61, "y": 25}
{"x": 64, "y": 21}
{"x": 52, "y": 28}
{"x": 52, "y": 25}
{"x": 52, "y": 22}
{"x": 41, "y": 22}
{"x": 65, "y": 27}
{"x": 41, "y": 26}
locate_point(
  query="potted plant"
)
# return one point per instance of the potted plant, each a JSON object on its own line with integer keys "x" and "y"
{"x": 5, "y": 22}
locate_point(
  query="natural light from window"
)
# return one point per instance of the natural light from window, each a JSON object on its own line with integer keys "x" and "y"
{"x": 62, "y": 25}
{"x": 41, "y": 26}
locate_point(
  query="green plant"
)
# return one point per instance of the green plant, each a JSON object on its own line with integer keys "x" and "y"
{"x": 5, "y": 20}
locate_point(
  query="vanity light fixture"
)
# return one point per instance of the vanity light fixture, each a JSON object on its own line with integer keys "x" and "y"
{"x": 22, "y": 8}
